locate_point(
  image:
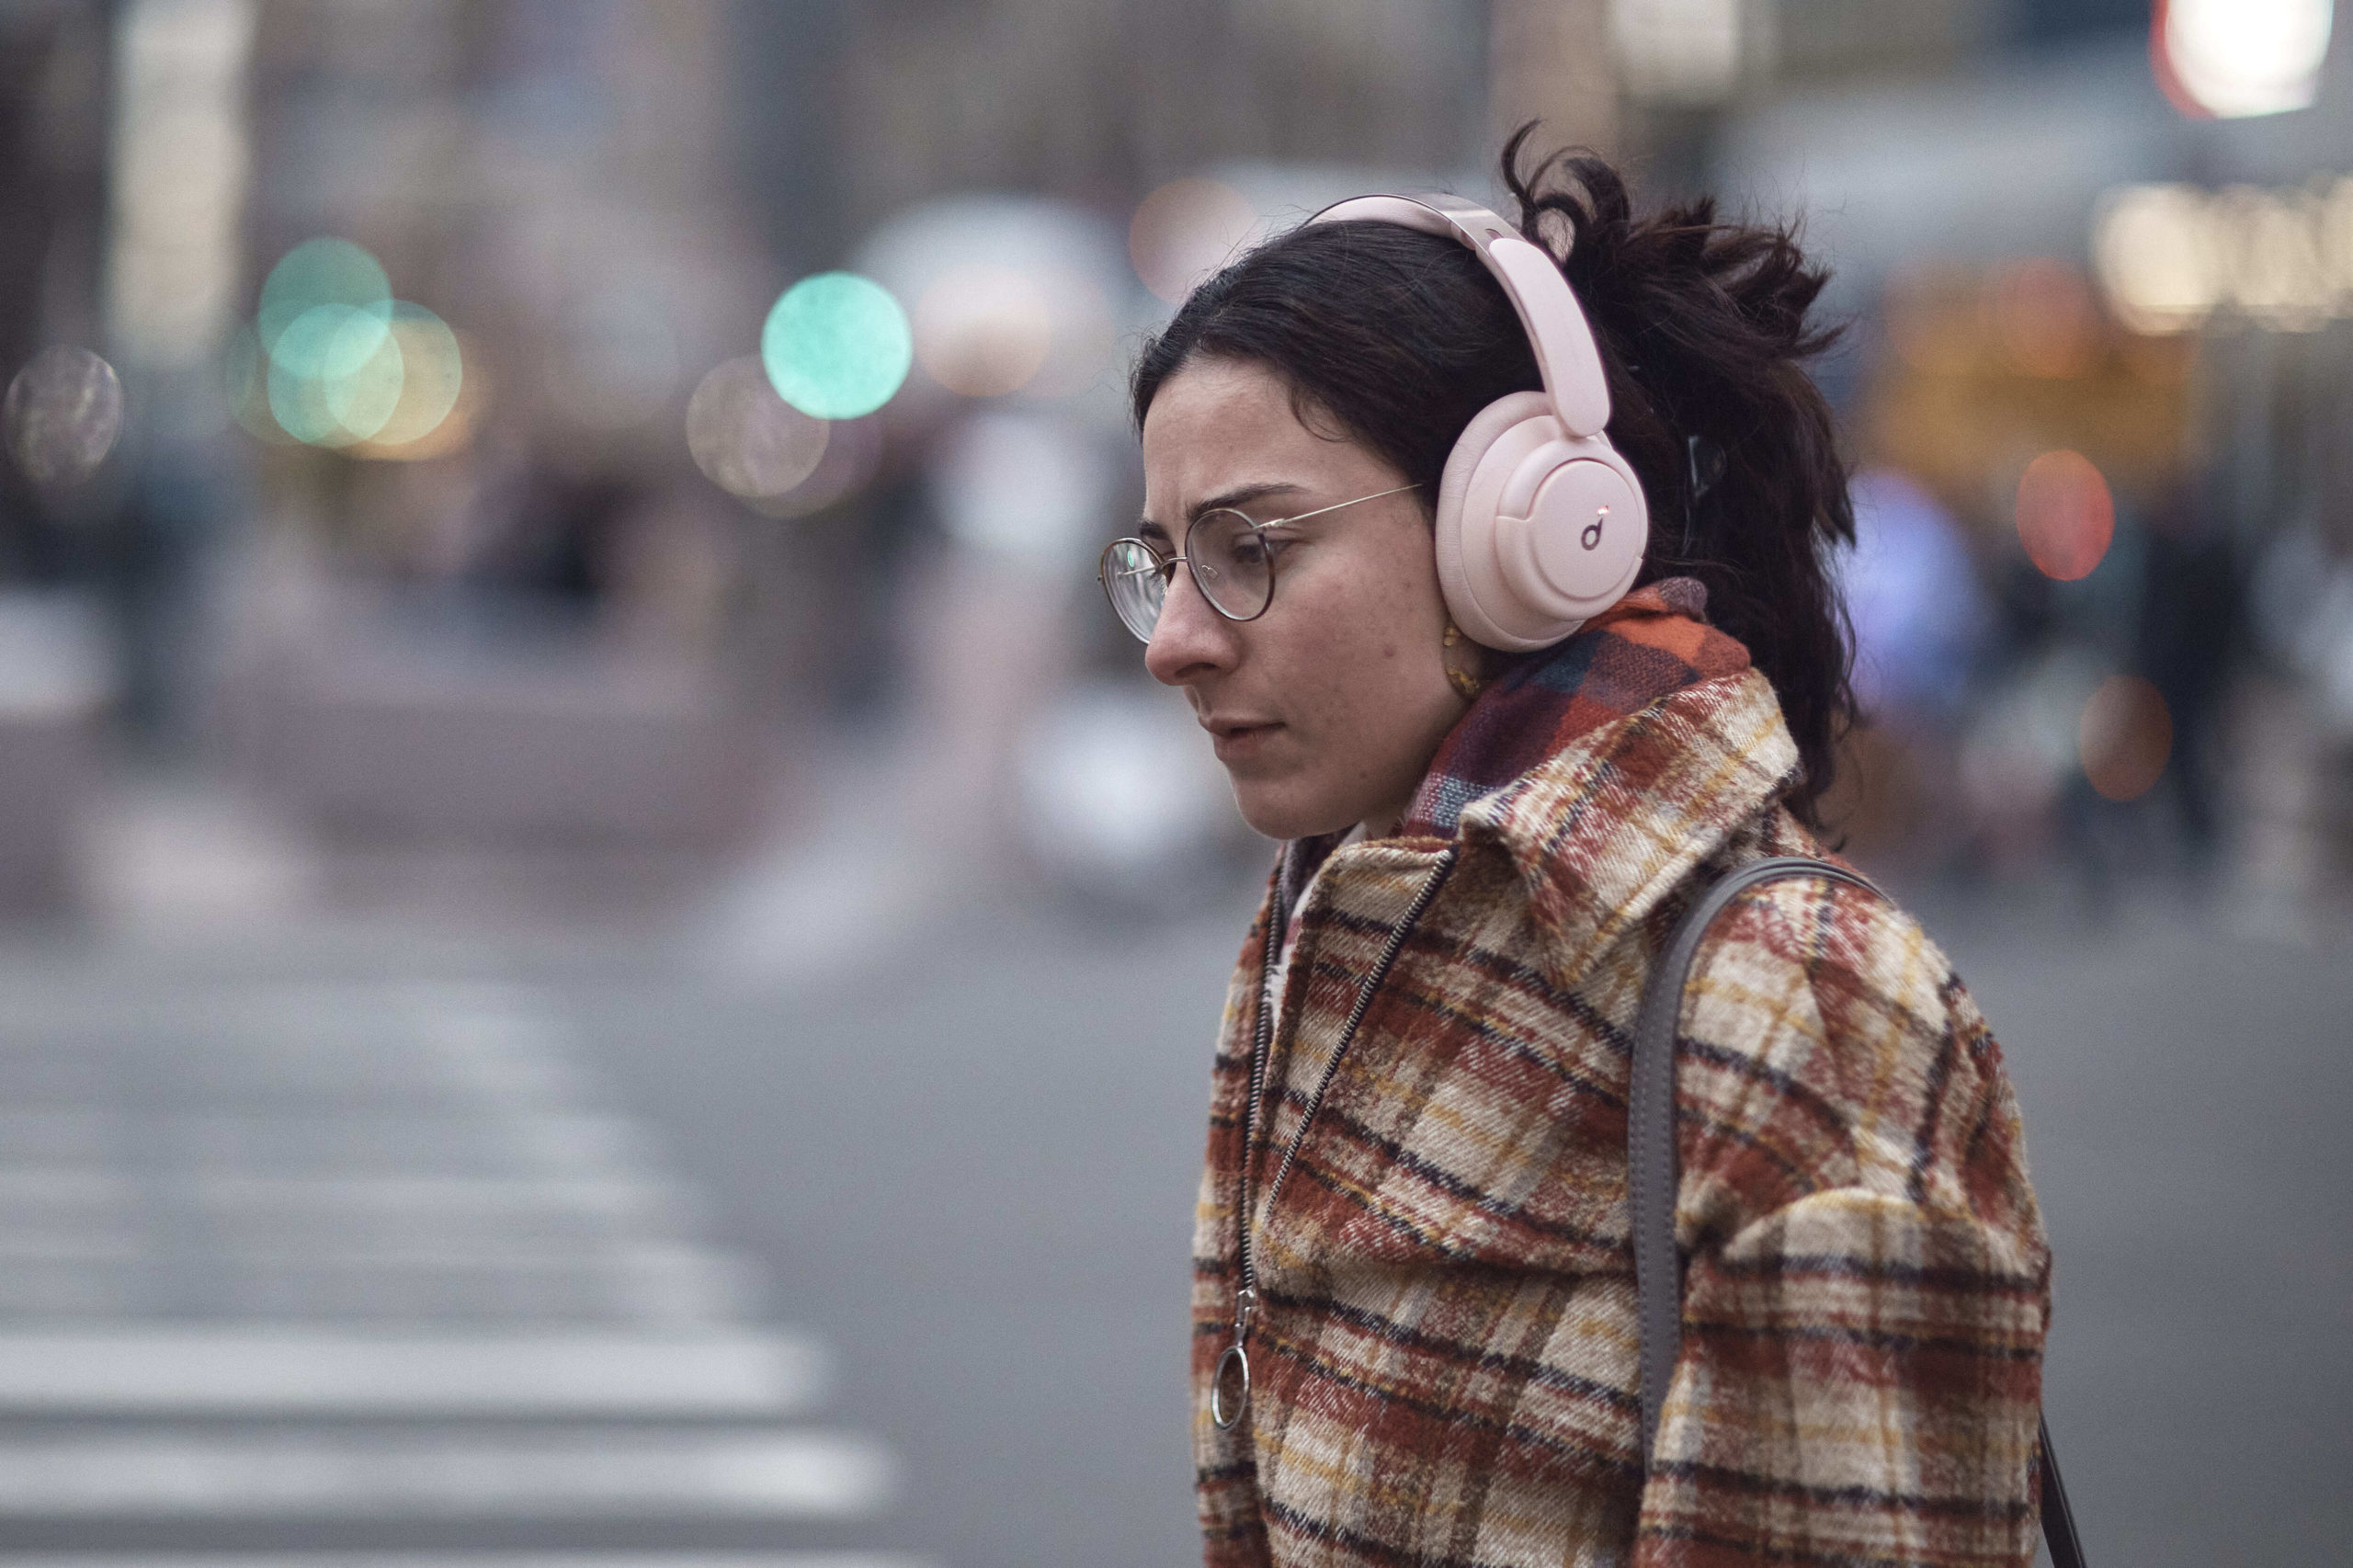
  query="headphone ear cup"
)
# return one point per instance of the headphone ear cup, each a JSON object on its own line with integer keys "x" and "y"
{"x": 1467, "y": 568}
{"x": 1537, "y": 531}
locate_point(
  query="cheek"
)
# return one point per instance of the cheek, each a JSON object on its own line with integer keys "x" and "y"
{"x": 1375, "y": 667}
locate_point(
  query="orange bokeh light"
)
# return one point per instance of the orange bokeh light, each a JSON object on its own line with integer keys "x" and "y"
{"x": 2046, "y": 318}
{"x": 1935, "y": 318}
{"x": 2124, "y": 737}
{"x": 2066, "y": 517}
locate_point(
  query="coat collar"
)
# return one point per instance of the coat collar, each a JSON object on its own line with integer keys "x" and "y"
{"x": 1654, "y": 640}
{"x": 1604, "y": 829}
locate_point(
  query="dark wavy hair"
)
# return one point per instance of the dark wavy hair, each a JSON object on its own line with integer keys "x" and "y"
{"x": 1398, "y": 338}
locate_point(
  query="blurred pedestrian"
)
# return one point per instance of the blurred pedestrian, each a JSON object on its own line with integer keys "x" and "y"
{"x": 2189, "y": 641}
{"x": 1506, "y": 755}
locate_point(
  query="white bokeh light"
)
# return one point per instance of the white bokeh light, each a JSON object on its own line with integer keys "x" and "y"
{"x": 1026, "y": 487}
{"x": 2235, "y": 57}
{"x": 748, "y": 441}
{"x": 2169, "y": 257}
{"x": 1008, "y": 296}
{"x": 1677, "y": 51}
{"x": 2153, "y": 248}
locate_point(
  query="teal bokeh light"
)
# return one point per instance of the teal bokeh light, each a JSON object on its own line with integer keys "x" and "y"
{"x": 362, "y": 396}
{"x": 836, "y": 346}
{"x": 321, "y": 272}
{"x": 430, "y": 374}
{"x": 245, "y": 374}
{"x": 330, "y": 342}
{"x": 318, "y": 360}
{"x": 299, "y": 404}
{"x": 332, "y": 359}
{"x": 340, "y": 376}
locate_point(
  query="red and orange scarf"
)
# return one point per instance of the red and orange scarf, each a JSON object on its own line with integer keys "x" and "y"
{"x": 1653, "y": 643}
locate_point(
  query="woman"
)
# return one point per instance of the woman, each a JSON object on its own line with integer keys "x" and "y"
{"x": 1414, "y": 1305}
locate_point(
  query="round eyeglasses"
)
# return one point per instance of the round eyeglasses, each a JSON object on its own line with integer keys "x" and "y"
{"x": 1227, "y": 554}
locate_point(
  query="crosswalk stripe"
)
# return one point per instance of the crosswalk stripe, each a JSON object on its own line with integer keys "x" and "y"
{"x": 257, "y": 1367}
{"x": 483, "y": 1560}
{"x": 337, "y": 1474}
{"x": 442, "y": 1201}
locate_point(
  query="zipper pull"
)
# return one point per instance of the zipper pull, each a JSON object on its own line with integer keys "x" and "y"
{"x": 1230, "y": 1383}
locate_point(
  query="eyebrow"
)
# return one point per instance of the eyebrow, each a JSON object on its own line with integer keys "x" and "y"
{"x": 1237, "y": 495}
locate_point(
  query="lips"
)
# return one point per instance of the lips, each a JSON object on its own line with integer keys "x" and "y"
{"x": 1239, "y": 739}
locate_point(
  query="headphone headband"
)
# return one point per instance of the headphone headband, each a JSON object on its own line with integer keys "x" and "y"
{"x": 1547, "y": 306}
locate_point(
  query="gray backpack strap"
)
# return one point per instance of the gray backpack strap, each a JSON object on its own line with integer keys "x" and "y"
{"x": 1651, "y": 1177}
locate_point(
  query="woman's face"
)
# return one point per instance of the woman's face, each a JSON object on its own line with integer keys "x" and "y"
{"x": 1328, "y": 708}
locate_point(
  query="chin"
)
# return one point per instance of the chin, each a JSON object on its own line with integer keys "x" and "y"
{"x": 1276, "y": 812}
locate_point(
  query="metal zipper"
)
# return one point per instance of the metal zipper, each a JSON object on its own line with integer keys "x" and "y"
{"x": 1246, "y": 1295}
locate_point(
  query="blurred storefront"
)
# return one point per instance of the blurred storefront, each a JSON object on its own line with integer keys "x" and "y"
{"x": 2096, "y": 318}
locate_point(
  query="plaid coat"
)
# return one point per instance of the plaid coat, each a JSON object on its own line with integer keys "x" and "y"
{"x": 1444, "y": 1349}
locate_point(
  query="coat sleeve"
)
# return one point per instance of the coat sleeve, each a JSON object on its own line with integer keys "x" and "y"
{"x": 1868, "y": 1281}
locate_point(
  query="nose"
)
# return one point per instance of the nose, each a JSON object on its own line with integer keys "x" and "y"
{"x": 1190, "y": 641}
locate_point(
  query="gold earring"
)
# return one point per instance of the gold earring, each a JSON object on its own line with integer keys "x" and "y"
{"x": 1463, "y": 681}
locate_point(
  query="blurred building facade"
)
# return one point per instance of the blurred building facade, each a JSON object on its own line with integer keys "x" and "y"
{"x": 543, "y": 632}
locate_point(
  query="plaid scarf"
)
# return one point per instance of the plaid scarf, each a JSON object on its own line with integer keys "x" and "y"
{"x": 1650, "y": 645}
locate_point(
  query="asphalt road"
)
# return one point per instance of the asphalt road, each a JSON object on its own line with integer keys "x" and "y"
{"x": 971, "y": 1161}
{"x": 972, "y": 1157}
{"x": 958, "y": 1157}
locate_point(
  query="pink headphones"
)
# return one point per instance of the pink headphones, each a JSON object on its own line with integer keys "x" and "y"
{"x": 1540, "y": 524}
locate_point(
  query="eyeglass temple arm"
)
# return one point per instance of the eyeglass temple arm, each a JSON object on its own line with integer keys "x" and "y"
{"x": 1276, "y": 522}
{"x": 1163, "y": 567}
{"x": 1302, "y": 517}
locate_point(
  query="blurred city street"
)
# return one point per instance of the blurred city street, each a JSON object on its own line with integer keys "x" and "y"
{"x": 608, "y": 958}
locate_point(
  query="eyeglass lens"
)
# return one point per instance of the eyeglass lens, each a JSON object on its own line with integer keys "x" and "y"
{"x": 1230, "y": 562}
{"x": 1133, "y": 577}
{"x": 1228, "y": 557}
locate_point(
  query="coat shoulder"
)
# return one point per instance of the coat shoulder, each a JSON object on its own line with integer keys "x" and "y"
{"x": 1829, "y": 1042}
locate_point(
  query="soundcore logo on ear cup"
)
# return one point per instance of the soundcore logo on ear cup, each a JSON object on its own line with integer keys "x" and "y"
{"x": 1582, "y": 543}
